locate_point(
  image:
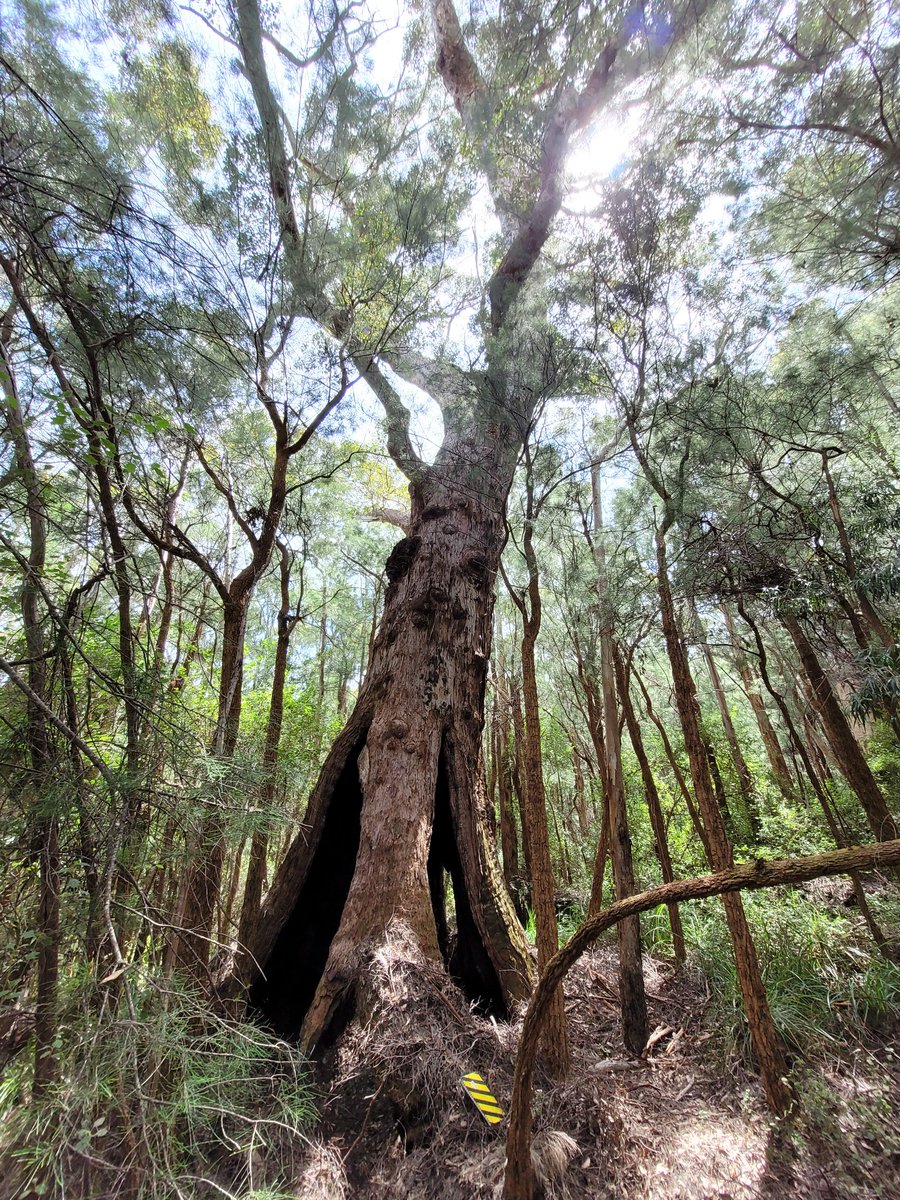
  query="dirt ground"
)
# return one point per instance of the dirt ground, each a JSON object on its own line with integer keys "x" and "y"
{"x": 684, "y": 1123}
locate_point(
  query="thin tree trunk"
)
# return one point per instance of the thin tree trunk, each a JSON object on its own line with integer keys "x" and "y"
{"x": 259, "y": 846}
{"x": 518, "y": 1181}
{"x": 745, "y": 779}
{"x": 520, "y": 784}
{"x": 596, "y": 732}
{"x": 37, "y": 734}
{"x": 766, "y": 1043}
{"x": 595, "y": 902}
{"x": 632, "y": 998}
{"x": 543, "y": 891}
{"x": 766, "y": 729}
{"x": 192, "y": 941}
{"x": 225, "y": 913}
{"x": 581, "y": 811}
{"x": 866, "y": 608}
{"x": 818, "y": 786}
{"x": 509, "y": 843}
{"x": 673, "y": 764}
{"x": 840, "y": 736}
{"x": 712, "y": 764}
{"x": 654, "y": 808}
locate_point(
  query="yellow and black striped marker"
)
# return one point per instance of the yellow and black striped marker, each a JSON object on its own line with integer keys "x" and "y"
{"x": 481, "y": 1097}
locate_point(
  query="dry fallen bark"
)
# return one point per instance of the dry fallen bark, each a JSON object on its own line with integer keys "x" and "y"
{"x": 518, "y": 1181}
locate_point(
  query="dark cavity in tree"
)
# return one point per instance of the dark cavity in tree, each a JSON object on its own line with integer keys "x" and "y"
{"x": 300, "y": 953}
{"x": 465, "y": 956}
{"x": 401, "y": 558}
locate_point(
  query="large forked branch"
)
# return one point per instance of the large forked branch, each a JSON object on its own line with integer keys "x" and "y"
{"x": 397, "y": 418}
{"x": 442, "y": 379}
{"x": 250, "y": 36}
{"x": 250, "y": 39}
{"x": 571, "y": 116}
{"x": 518, "y": 1181}
{"x": 455, "y": 64}
{"x": 615, "y": 67}
{"x": 618, "y": 64}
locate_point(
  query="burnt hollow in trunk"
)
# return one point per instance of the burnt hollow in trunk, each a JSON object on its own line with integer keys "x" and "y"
{"x": 300, "y": 952}
{"x": 465, "y": 956}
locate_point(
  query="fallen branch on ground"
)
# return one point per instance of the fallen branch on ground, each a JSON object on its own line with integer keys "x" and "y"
{"x": 518, "y": 1183}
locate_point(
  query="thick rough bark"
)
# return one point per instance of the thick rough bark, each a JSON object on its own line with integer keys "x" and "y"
{"x": 401, "y": 798}
{"x": 406, "y": 771}
{"x": 518, "y": 1180}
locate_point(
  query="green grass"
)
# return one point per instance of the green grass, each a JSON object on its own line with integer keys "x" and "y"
{"x": 822, "y": 973}
{"x": 163, "y": 1103}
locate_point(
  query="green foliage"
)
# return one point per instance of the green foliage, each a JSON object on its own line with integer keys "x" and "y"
{"x": 823, "y": 976}
{"x": 169, "y": 109}
{"x": 878, "y": 693}
{"x": 174, "y": 1099}
{"x": 167, "y": 350}
{"x": 856, "y": 1123}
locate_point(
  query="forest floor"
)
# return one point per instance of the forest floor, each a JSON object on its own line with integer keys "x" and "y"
{"x": 687, "y": 1122}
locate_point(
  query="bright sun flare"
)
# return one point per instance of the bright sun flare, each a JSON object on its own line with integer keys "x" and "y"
{"x": 600, "y": 153}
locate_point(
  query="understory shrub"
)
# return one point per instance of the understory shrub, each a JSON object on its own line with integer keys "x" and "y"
{"x": 156, "y": 1097}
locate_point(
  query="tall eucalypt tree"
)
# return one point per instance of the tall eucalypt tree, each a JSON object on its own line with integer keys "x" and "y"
{"x": 400, "y": 800}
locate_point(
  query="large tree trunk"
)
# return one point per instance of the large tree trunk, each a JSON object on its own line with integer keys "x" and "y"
{"x": 400, "y": 801}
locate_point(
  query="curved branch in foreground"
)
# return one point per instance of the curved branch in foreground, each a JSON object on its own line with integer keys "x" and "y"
{"x": 518, "y": 1182}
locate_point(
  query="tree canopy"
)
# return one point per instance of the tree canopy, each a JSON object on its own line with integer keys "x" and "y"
{"x": 445, "y": 448}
